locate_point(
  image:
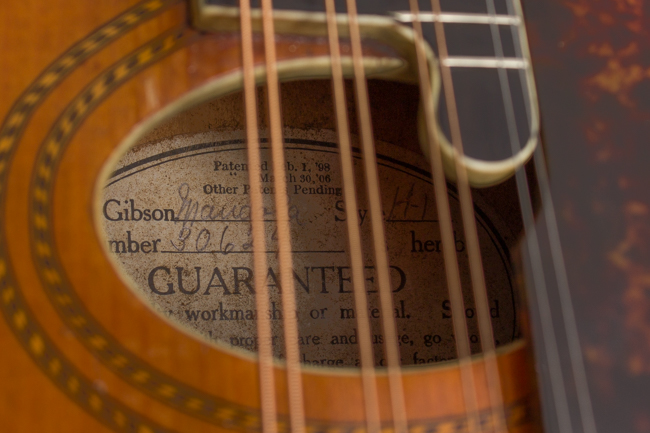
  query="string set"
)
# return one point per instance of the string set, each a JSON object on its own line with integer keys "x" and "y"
{"x": 479, "y": 290}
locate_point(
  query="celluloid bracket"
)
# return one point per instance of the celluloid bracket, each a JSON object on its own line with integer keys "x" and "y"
{"x": 393, "y": 58}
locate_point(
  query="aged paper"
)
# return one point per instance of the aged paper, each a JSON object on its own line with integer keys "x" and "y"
{"x": 176, "y": 217}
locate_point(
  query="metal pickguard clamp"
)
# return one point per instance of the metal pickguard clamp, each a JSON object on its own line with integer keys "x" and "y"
{"x": 391, "y": 31}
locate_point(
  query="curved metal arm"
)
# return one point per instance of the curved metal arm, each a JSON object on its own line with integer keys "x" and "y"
{"x": 388, "y": 30}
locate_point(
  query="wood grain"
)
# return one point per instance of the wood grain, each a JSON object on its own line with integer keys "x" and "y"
{"x": 113, "y": 359}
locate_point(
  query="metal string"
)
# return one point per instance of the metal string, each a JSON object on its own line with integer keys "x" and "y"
{"x": 446, "y": 231}
{"x": 376, "y": 217}
{"x": 469, "y": 223}
{"x": 264, "y": 333}
{"x": 368, "y": 377}
{"x": 290, "y": 323}
{"x": 558, "y": 385}
{"x": 566, "y": 304}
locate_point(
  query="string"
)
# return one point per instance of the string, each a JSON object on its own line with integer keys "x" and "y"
{"x": 558, "y": 385}
{"x": 471, "y": 236}
{"x": 469, "y": 224}
{"x": 446, "y": 229}
{"x": 371, "y": 401}
{"x": 265, "y": 347}
{"x": 573, "y": 341}
{"x": 566, "y": 304}
{"x": 377, "y": 223}
{"x": 290, "y": 323}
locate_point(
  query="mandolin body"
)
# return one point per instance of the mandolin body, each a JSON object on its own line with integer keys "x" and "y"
{"x": 81, "y": 351}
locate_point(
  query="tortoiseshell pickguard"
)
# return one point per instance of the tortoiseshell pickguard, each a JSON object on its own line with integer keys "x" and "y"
{"x": 592, "y": 64}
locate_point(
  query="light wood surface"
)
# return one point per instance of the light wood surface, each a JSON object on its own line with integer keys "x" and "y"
{"x": 80, "y": 352}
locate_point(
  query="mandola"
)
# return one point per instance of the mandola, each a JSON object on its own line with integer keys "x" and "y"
{"x": 323, "y": 216}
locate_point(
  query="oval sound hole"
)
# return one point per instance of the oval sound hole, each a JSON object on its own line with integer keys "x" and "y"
{"x": 176, "y": 217}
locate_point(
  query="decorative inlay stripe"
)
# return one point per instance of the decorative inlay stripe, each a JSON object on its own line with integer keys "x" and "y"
{"x": 17, "y": 314}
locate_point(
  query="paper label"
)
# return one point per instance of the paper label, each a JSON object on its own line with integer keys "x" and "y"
{"x": 176, "y": 217}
